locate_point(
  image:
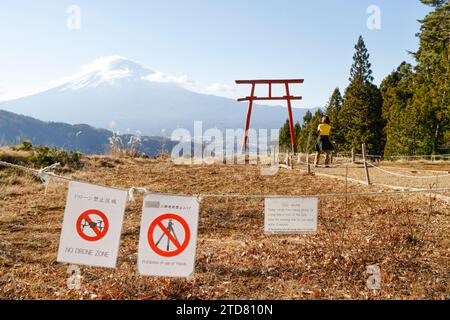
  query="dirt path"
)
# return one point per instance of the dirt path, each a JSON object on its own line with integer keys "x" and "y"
{"x": 417, "y": 176}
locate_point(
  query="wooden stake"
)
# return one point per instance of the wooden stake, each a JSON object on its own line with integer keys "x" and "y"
{"x": 430, "y": 208}
{"x": 365, "y": 163}
{"x": 307, "y": 153}
{"x": 308, "y": 167}
{"x": 346, "y": 186}
{"x": 353, "y": 155}
{"x": 272, "y": 155}
{"x": 291, "y": 161}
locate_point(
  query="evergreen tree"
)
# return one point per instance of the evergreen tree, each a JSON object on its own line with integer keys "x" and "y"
{"x": 307, "y": 118}
{"x": 432, "y": 86}
{"x": 298, "y": 130}
{"x": 285, "y": 136}
{"x": 361, "y": 68}
{"x": 401, "y": 129}
{"x": 435, "y": 3}
{"x": 416, "y": 105}
{"x": 361, "y": 115}
{"x": 309, "y": 131}
{"x": 333, "y": 110}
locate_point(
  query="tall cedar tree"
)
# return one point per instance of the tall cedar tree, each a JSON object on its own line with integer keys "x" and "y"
{"x": 308, "y": 132}
{"x": 402, "y": 137}
{"x": 361, "y": 109}
{"x": 416, "y": 105}
{"x": 432, "y": 85}
{"x": 333, "y": 110}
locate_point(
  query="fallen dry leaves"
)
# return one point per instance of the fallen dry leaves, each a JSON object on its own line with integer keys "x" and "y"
{"x": 406, "y": 235}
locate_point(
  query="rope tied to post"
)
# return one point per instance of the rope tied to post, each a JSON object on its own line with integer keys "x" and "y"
{"x": 131, "y": 192}
{"x": 45, "y": 176}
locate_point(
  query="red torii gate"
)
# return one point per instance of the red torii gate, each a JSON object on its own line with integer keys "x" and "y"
{"x": 252, "y": 98}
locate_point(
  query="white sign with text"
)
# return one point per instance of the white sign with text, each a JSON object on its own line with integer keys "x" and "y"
{"x": 92, "y": 225}
{"x": 168, "y": 235}
{"x": 290, "y": 215}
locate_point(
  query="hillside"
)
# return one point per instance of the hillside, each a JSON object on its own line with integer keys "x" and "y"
{"x": 406, "y": 235}
{"x": 15, "y": 128}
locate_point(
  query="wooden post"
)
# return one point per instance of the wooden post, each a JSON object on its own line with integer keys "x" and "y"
{"x": 346, "y": 186}
{"x": 291, "y": 159}
{"x": 307, "y": 153}
{"x": 308, "y": 168}
{"x": 353, "y": 155}
{"x": 365, "y": 163}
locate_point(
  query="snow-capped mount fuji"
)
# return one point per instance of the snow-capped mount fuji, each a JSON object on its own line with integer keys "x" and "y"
{"x": 111, "y": 70}
{"x": 119, "y": 90}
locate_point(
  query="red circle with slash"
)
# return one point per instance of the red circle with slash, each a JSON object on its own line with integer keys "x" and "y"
{"x": 179, "y": 247}
{"x": 99, "y": 234}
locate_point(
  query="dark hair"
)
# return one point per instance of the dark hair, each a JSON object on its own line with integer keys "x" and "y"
{"x": 326, "y": 119}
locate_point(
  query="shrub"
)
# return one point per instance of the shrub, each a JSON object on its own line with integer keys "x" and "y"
{"x": 45, "y": 156}
{"x": 25, "y": 146}
{"x": 42, "y": 156}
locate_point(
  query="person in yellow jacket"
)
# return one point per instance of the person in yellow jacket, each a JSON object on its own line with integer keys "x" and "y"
{"x": 323, "y": 144}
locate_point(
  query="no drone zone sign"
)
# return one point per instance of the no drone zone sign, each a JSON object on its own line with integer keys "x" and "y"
{"x": 168, "y": 235}
{"x": 92, "y": 225}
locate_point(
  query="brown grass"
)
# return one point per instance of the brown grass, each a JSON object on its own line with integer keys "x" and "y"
{"x": 407, "y": 236}
{"x": 13, "y": 156}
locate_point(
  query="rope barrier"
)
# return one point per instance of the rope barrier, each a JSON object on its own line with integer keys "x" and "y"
{"x": 408, "y": 176}
{"x": 339, "y": 165}
{"x": 391, "y": 158}
{"x": 132, "y": 190}
{"x": 325, "y": 195}
{"x": 46, "y": 177}
{"x": 344, "y": 164}
{"x": 424, "y": 156}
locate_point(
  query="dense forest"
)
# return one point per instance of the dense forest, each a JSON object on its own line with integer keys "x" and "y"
{"x": 408, "y": 114}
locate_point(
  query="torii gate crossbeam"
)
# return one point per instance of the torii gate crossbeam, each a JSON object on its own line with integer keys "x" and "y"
{"x": 252, "y": 98}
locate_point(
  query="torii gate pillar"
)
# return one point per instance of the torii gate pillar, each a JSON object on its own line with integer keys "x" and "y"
{"x": 252, "y": 98}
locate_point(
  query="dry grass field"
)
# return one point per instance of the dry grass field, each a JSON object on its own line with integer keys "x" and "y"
{"x": 407, "y": 235}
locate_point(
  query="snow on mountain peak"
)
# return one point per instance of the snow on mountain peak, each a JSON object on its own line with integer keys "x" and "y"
{"x": 115, "y": 63}
{"x": 107, "y": 70}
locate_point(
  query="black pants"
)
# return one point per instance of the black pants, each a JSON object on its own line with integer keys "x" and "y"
{"x": 323, "y": 145}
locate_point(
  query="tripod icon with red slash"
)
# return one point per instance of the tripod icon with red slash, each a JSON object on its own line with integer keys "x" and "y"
{"x": 171, "y": 230}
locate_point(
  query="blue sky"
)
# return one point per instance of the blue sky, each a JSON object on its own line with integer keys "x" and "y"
{"x": 212, "y": 42}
